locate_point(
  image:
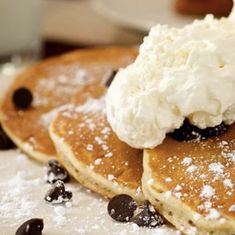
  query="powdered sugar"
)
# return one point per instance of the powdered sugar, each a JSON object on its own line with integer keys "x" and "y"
{"x": 187, "y": 161}
{"x": 232, "y": 208}
{"x": 92, "y": 106}
{"x": 24, "y": 189}
{"x": 47, "y": 118}
{"x": 213, "y": 214}
{"x": 57, "y": 87}
{"x": 111, "y": 177}
{"x": 228, "y": 183}
{"x": 168, "y": 179}
{"x": 216, "y": 168}
{"x": 90, "y": 147}
{"x": 207, "y": 191}
{"x": 191, "y": 169}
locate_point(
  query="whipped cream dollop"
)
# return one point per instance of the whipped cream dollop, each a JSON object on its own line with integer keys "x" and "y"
{"x": 178, "y": 74}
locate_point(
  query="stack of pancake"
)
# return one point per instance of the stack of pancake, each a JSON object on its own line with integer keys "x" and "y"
{"x": 190, "y": 183}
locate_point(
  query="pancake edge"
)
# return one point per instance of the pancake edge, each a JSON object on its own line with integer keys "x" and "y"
{"x": 87, "y": 177}
{"x": 26, "y": 147}
{"x": 179, "y": 214}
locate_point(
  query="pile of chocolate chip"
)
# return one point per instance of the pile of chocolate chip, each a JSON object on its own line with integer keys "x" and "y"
{"x": 57, "y": 175}
{"x": 123, "y": 208}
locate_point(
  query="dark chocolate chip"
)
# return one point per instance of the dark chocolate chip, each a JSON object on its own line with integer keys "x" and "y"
{"x": 189, "y": 132}
{"x": 5, "y": 141}
{"x": 31, "y": 227}
{"x": 122, "y": 207}
{"x": 111, "y": 77}
{"x": 22, "y": 98}
{"x": 57, "y": 194}
{"x": 214, "y": 131}
{"x": 56, "y": 172}
{"x": 149, "y": 217}
{"x": 67, "y": 195}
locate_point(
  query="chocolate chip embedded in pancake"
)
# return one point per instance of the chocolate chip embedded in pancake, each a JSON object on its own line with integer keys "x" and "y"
{"x": 22, "y": 98}
{"x": 53, "y": 82}
{"x": 192, "y": 183}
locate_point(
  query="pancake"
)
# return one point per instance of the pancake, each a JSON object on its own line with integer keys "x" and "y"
{"x": 92, "y": 153}
{"x": 53, "y": 82}
{"x": 192, "y": 183}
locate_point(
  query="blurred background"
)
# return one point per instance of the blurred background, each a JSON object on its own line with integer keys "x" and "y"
{"x": 35, "y": 29}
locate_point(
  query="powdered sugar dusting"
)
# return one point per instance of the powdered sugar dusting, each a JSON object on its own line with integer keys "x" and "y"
{"x": 217, "y": 168}
{"x": 60, "y": 82}
{"x": 92, "y": 105}
{"x": 191, "y": 168}
{"x": 187, "y": 161}
{"x": 91, "y": 109}
{"x": 213, "y": 214}
{"x": 232, "y": 208}
{"x": 228, "y": 183}
{"x": 207, "y": 191}
{"x": 196, "y": 175}
{"x": 22, "y": 190}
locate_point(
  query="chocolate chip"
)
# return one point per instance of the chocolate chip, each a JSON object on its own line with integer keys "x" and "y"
{"x": 67, "y": 195}
{"x": 189, "y": 132}
{"x": 56, "y": 172}
{"x": 31, "y": 227}
{"x": 149, "y": 217}
{"x": 57, "y": 194}
{"x": 5, "y": 141}
{"x": 214, "y": 131}
{"x": 22, "y": 98}
{"x": 110, "y": 79}
{"x": 122, "y": 207}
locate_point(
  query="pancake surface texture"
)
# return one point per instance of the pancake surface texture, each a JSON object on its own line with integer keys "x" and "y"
{"x": 192, "y": 183}
{"x": 53, "y": 83}
{"x": 91, "y": 151}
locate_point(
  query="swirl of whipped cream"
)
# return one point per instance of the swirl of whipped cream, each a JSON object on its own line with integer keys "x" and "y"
{"x": 178, "y": 74}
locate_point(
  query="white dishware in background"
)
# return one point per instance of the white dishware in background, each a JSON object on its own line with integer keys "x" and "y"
{"x": 77, "y": 22}
{"x": 141, "y": 14}
{"x": 20, "y": 32}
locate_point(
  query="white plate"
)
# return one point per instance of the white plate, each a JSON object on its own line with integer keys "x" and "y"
{"x": 141, "y": 14}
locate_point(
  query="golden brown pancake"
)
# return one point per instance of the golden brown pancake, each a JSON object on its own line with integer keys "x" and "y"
{"x": 91, "y": 151}
{"x": 53, "y": 82}
{"x": 193, "y": 183}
